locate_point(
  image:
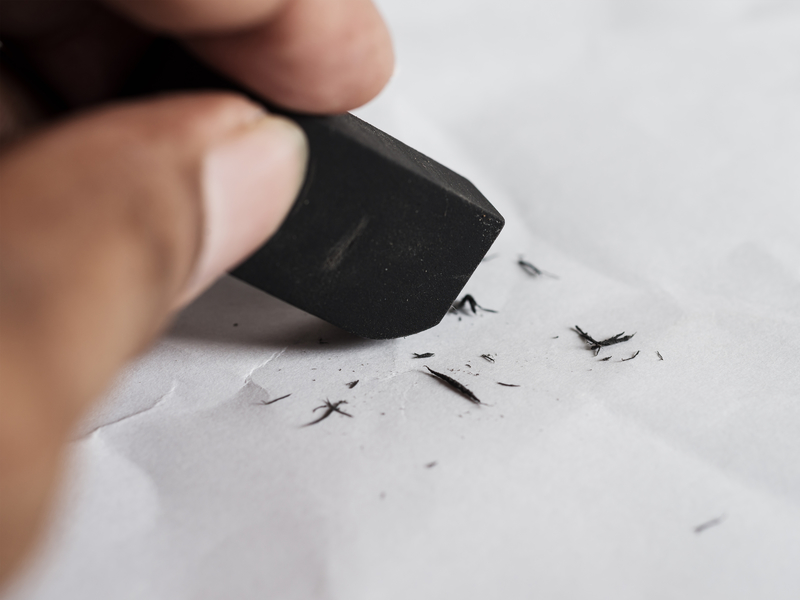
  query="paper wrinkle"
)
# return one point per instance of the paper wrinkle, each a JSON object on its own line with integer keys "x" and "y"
{"x": 158, "y": 401}
{"x": 723, "y": 470}
{"x": 789, "y": 504}
{"x": 107, "y": 506}
{"x": 275, "y": 356}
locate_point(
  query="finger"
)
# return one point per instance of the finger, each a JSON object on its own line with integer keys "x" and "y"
{"x": 106, "y": 221}
{"x": 194, "y": 17}
{"x": 80, "y": 50}
{"x": 319, "y": 56}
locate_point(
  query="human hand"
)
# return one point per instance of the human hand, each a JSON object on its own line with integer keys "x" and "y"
{"x": 114, "y": 217}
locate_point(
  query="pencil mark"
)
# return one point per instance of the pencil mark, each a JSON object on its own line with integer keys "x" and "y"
{"x": 487, "y": 357}
{"x": 634, "y": 355}
{"x": 605, "y": 359}
{"x": 659, "y": 355}
{"x": 352, "y": 384}
{"x": 532, "y": 269}
{"x": 488, "y": 258}
{"x": 426, "y": 355}
{"x": 321, "y": 341}
{"x": 330, "y": 408}
{"x": 267, "y": 403}
{"x": 430, "y": 465}
{"x": 709, "y": 524}
{"x": 555, "y": 337}
{"x": 460, "y": 388}
{"x": 508, "y": 384}
{"x": 596, "y": 345}
{"x": 468, "y": 299}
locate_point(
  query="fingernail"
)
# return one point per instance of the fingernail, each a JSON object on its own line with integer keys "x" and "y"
{"x": 249, "y": 185}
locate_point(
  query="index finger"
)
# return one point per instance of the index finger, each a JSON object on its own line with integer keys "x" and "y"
{"x": 318, "y": 56}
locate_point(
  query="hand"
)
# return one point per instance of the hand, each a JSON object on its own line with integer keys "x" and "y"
{"x": 114, "y": 217}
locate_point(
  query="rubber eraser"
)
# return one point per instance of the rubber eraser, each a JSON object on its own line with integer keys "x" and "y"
{"x": 381, "y": 238}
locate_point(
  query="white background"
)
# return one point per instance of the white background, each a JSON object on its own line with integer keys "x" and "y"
{"x": 646, "y": 152}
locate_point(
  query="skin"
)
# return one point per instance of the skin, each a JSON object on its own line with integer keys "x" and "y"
{"x": 111, "y": 218}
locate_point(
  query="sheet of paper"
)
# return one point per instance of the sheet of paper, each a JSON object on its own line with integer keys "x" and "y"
{"x": 644, "y": 153}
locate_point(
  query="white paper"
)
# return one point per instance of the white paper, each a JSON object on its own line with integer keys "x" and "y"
{"x": 647, "y": 154}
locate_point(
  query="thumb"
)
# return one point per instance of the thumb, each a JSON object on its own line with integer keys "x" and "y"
{"x": 107, "y": 222}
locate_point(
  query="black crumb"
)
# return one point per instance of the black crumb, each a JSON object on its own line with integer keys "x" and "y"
{"x": 274, "y": 401}
{"x": 597, "y": 344}
{"x": 473, "y": 305}
{"x": 508, "y": 384}
{"x": 605, "y": 359}
{"x": 631, "y": 357}
{"x": 235, "y": 324}
{"x": 488, "y": 357}
{"x": 659, "y": 355}
{"x": 330, "y": 408}
{"x": 430, "y": 465}
{"x": 529, "y": 268}
{"x": 709, "y": 524}
{"x": 321, "y": 341}
{"x": 352, "y": 384}
{"x": 460, "y": 388}
{"x": 426, "y": 355}
{"x": 533, "y": 270}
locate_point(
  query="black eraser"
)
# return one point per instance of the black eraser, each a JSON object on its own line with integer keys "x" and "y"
{"x": 381, "y": 238}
